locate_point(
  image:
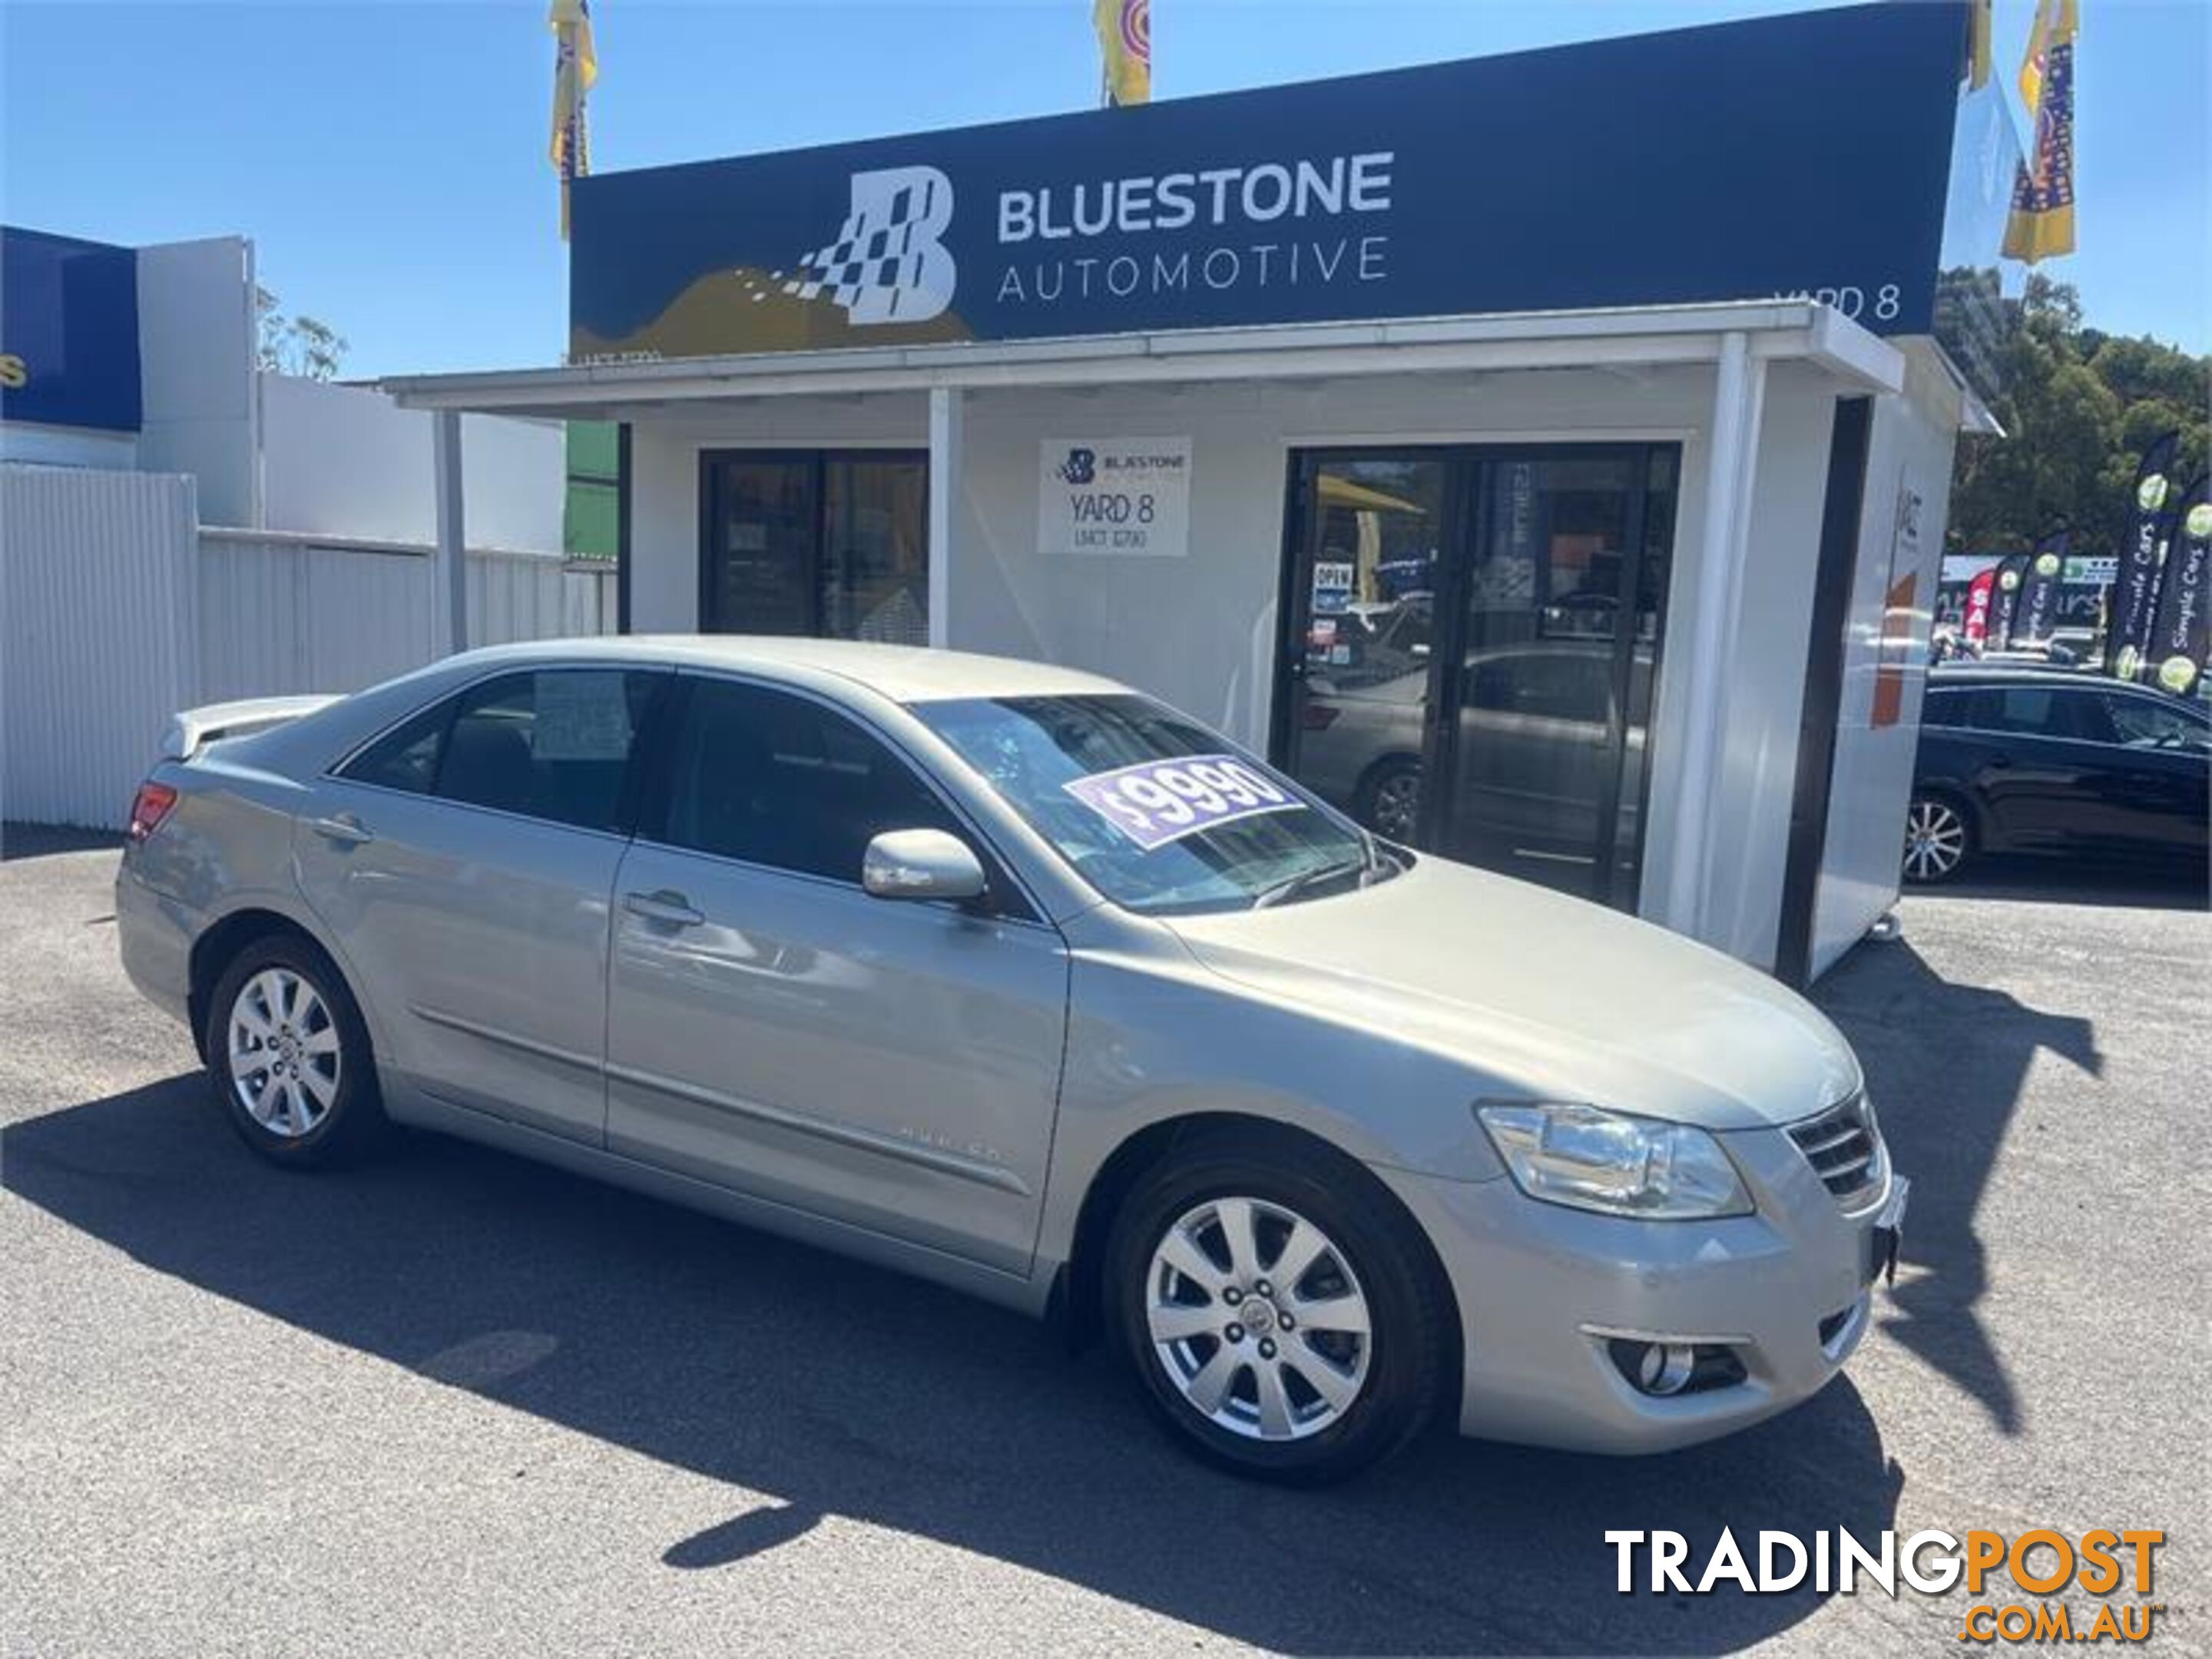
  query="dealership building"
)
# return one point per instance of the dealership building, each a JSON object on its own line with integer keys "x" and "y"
{"x": 1544, "y": 456}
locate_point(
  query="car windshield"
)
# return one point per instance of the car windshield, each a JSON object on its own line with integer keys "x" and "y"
{"x": 1154, "y": 812}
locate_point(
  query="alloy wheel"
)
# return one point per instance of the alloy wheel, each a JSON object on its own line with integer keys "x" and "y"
{"x": 1934, "y": 839}
{"x": 284, "y": 1053}
{"x": 1397, "y": 806}
{"x": 1258, "y": 1319}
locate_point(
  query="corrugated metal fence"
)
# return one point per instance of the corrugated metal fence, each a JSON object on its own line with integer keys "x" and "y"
{"x": 116, "y": 610}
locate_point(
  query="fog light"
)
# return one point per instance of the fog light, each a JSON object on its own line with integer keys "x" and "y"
{"x": 1665, "y": 1369}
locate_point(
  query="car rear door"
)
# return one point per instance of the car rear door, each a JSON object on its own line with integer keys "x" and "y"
{"x": 772, "y": 1029}
{"x": 465, "y": 862}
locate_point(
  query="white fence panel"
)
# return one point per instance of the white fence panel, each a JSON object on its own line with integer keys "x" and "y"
{"x": 118, "y": 611}
{"x": 97, "y": 642}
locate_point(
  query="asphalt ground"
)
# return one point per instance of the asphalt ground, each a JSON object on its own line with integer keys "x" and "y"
{"x": 456, "y": 1403}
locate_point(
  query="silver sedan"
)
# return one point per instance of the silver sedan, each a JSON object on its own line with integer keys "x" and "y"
{"x": 1008, "y": 976}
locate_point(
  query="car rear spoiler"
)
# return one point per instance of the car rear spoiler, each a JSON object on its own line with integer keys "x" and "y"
{"x": 192, "y": 730}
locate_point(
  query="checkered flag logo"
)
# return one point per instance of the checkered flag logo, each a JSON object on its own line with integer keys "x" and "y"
{"x": 887, "y": 264}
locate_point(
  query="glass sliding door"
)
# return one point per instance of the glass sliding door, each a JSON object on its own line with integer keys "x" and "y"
{"x": 815, "y": 541}
{"x": 1492, "y": 704}
{"x": 1363, "y": 578}
{"x": 756, "y": 568}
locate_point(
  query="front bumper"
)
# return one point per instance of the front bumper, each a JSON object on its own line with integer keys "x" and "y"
{"x": 1543, "y": 1290}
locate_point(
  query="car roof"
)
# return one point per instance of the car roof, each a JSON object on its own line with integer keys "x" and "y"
{"x": 1953, "y": 675}
{"x": 904, "y": 673}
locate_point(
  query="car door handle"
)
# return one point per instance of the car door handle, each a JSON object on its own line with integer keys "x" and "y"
{"x": 666, "y": 906}
{"x": 344, "y": 828}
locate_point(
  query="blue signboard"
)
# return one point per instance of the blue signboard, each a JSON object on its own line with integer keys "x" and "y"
{"x": 68, "y": 331}
{"x": 1803, "y": 154}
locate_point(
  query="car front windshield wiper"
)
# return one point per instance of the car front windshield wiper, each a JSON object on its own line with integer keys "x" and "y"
{"x": 1291, "y": 886}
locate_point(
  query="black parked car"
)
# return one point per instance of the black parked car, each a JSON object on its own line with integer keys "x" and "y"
{"x": 2017, "y": 760}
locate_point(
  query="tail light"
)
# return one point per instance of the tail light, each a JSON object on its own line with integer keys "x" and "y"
{"x": 152, "y": 804}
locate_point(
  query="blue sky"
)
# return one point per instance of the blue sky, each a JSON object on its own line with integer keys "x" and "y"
{"x": 388, "y": 159}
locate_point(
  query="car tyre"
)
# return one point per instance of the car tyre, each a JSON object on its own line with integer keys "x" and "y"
{"x": 1352, "y": 1374}
{"x": 290, "y": 1058}
{"x": 1389, "y": 800}
{"x": 1939, "y": 839}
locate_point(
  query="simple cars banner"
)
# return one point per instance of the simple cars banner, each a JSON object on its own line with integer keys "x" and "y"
{"x": 2136, "y": 584}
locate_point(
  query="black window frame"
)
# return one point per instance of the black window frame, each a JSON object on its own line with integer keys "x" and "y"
{"x": 818, "y": 463}
{"x": 1005, "y": 897}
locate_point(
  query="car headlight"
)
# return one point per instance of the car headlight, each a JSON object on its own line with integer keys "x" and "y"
{"x": 1590, "y": 1158}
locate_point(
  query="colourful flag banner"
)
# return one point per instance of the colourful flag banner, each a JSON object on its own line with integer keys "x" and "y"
{"x": 1125, "y": 43}
{"x": 2041, "y": 224}
{"x": 2004, "y": 615}
{"x": 575, "y": 67}
{"x": 2134, "y": 605}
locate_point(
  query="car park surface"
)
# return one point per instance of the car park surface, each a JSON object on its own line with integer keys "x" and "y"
{"x": 463, "y": 1402}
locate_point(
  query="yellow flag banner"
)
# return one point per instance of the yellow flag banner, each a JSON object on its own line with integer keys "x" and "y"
{"x": 2041, "y": 223}
{"x": 1124, "y": 42}
{"x": 575, "y": 67}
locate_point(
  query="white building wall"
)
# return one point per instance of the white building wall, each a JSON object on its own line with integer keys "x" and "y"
{"x": 1910, "y": 448}
{"x": 196, "y": 342}
{"x": 68, "y": 445}
{"x": 344, "y": 460}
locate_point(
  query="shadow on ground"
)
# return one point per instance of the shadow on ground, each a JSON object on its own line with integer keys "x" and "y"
{"x": 1958, "y": 1054}
{"x": 2069, "y": 881}
{"x": 835, "y": 1388}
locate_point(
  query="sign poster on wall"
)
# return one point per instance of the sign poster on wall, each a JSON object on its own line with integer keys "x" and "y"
{"x": 1114, "y": 495}
{"x": 1897, "y": 612}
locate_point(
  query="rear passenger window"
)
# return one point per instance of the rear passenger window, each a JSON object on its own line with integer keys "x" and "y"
{"x": 405, "y": 758}
{"x": 553, "y": 744}
{"x": 781, "y": 781}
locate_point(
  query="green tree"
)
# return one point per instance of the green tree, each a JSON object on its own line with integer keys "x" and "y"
{"x": 298, "y": 345}
{"x": 2078, "y": 409}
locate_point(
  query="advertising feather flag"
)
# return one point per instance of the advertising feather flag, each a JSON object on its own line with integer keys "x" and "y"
{"x": 1125, "y": 45}
{"x": 2041, "y": 224}
{"x": 2004, "y": 615}
{"x": 2175, "y": 654}
{"x": 575, "y": 67}
{"x": 2134, "y": 605}
{"x": 2037, "y": 613}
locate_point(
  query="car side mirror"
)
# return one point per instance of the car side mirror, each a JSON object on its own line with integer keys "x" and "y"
{"x": 921, "y": 863}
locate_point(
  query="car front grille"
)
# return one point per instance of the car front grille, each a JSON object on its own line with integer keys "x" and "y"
{"x": 1844, "y": 1146}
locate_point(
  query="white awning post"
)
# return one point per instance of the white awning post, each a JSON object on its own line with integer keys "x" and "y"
{"x": 1731, "y": 457}
{"x": 452, "y": 563}
{"x": 947, "y": 413}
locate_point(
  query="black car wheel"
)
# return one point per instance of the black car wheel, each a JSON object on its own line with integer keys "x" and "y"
{"x": 1939, "y": 839}
{"x": 1389, "y": 800}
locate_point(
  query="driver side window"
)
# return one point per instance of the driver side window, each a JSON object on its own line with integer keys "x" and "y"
{"x": 2140, "y": 722}
{"x": 781, "y": 781}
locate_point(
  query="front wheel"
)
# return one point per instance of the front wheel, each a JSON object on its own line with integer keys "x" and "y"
{"x": 1938, "y": 839}
{"x": 1283, "y": 1316}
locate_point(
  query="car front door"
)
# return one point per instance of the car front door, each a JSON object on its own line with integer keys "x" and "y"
{"x": 2042, "y": 775}
{"x": 464, "y": 862}
{"x": 2163, "y": 761}
{"x": 889, "y": 1064}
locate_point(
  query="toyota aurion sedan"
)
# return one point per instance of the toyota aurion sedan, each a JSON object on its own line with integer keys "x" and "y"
{"x": 1008, "y": 976}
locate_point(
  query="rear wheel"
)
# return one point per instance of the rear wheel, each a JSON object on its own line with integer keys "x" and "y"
{"x": 1939, "y": 839}
{"x": 1282, "y": 1316}
{"x": 1390, "y": 801}
{"x": 290, "y": 1058}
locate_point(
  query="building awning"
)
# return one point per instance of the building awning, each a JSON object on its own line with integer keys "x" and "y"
{"x": 1624, "y": 338}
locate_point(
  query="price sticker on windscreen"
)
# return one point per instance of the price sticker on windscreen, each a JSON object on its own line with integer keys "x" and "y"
{"x": 1156, "y": 802}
